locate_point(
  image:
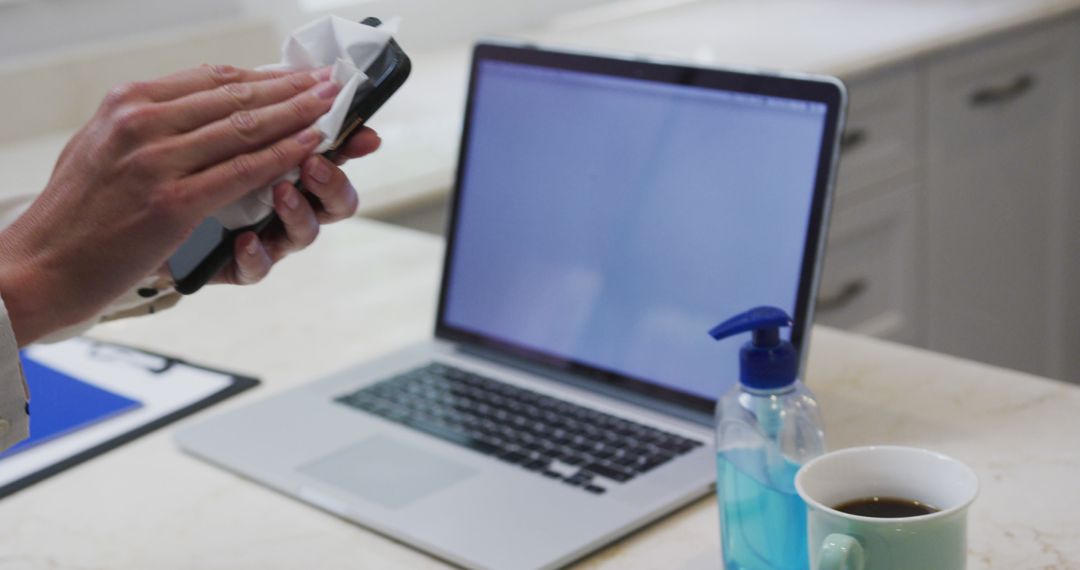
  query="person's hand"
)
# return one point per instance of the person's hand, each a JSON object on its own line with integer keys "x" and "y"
{"x": 153, "y": 162}
{"x": 330, "y": 198}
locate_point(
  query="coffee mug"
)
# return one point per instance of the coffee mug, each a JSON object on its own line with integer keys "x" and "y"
{"x": 843, "y": 541}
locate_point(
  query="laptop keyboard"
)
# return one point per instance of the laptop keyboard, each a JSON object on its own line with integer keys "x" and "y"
{"x": 576, "y": 445}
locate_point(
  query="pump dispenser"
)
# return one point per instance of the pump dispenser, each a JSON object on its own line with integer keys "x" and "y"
{"x": 767, "y": 426}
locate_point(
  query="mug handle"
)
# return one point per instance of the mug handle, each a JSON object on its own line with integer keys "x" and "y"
{"x": 840, "y": 552}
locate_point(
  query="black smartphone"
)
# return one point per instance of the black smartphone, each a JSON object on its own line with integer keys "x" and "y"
{"x": 210, "y": 247}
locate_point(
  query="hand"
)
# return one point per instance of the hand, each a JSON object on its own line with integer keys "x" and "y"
{"x": 331, "y": 198}
{"x": 153, "y": 162}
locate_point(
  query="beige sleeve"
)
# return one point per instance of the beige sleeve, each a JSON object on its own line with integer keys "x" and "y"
{"x": 151, "y": 295}
{"x": 14, "y": 421}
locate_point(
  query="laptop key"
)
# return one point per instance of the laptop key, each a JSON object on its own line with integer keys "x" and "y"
{"x": 683, "y": 447}
{"x": 536, "y": 464}
{"x": 535, "y": 446}
{"x": 627, "y": 461}
{"x": 610, "y": 471}
{"x": 584, "y": 447}
{"x": 651, "y": 462}
{"x": 513, "y": 456}
{"x": 606, "y": 453}
{"x": 571, "y": 458}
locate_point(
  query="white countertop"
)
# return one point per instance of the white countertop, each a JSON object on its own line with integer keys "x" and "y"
{"x": 366, "y": 288}
{"x": 421, "y": 125}
{"x": 847, "y": 38}
{"x": 836, "y": 37}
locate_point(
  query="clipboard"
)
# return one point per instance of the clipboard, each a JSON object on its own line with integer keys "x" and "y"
{"x": 132, "y": 392}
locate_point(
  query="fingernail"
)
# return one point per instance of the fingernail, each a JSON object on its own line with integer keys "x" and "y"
{"x": 309, "y": 136}
{"x": 327, "y": 90}
{"x": 321, "y": 74}
{"x": 252, "y": 246}
{"x": 291, "y": 199}
{"x": 320, "y": 171}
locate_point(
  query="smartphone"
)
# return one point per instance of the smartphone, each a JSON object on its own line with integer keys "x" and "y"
{"x": 210, "y": 247}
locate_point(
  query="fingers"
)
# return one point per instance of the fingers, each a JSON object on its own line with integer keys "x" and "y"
{"x": 248, "y": 130}
{"x": 203, "y": 78}
{"x": 251, "y": 261}
{"x": 230, "y": 180}
{"x": 255, "y": 256}
{"x": 364, "y": 142}
{"x": 204, "y": 107}
{"x": 133, "y": 116}
{"x": 330, "y": 185}
{"x": 299, "y": 224}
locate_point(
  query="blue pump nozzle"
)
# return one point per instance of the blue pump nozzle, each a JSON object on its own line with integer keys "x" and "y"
{"x": 767, "y": 361}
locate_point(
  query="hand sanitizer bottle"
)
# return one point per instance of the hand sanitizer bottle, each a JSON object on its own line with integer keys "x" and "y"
{"x": 767, "y": 426}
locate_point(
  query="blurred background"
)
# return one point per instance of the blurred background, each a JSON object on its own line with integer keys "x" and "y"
{"x": 956, "y": 224}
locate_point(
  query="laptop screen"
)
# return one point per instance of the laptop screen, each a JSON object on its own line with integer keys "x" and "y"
{"x": 608, "y": 221}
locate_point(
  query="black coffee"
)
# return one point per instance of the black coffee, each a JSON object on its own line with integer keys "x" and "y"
{"x": 885, "y": 508}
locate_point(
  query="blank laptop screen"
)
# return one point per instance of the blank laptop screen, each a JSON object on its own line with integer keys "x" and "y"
{"x": 611, "y": 221}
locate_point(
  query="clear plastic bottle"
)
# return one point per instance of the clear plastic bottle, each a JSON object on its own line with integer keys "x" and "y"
{"x": 767, "y": 426}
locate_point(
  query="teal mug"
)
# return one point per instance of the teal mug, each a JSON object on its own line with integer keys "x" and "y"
{"x": 843, "y": 541}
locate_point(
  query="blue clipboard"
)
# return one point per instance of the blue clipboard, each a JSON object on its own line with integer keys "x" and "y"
{"x": 63, "y": 404}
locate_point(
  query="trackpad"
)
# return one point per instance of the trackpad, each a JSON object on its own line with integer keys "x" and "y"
{"x": 387, "y": 471}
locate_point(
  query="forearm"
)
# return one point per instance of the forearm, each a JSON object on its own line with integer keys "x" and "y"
{"x": 46, "y": 304}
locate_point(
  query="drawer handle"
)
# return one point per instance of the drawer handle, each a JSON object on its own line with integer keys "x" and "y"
{"x": 853, "y": 139}
{"x": 842, "y": 298}
{"x": 999, "y": 94}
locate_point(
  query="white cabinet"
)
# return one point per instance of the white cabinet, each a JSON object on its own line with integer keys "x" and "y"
{"x": 872, "y": 275}
{"x": 957, "y": 219}
{"x": 1069, "y": 356}
{"x": 870, "y": 281}
{"x": 998, "y": 159}
{"x": 881, "y": 138}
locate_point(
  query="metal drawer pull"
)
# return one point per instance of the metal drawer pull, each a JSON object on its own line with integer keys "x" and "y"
{"x": 852, "y": 139}
{"x": 847, "y": 294}
{"x": 998, "y": 94}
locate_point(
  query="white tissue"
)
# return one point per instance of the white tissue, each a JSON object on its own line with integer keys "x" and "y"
{"x": 349, "y": 47}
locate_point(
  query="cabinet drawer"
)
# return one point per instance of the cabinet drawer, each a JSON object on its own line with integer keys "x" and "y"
{"x": 1070, "y": 360}
{"x": 880, "y": 140}
{"x": 997, "y": 183}
{"x": 870, "y": 279}
{"x": 994, "y": 92}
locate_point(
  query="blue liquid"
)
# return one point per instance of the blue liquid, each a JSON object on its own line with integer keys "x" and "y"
{"x": 763, "y": 525}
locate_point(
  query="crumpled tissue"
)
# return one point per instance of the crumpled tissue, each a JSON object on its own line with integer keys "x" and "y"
{"x": 349, "y": 47}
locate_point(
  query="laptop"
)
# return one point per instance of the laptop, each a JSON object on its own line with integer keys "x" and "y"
{"x": 607, "y": 212}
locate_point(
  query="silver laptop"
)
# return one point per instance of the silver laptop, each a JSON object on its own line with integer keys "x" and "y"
{"x": 607, "y": 213}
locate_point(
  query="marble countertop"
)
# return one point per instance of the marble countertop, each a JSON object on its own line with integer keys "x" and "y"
{"x": 421, "y": 125}
{"x": 366, "y": 288}
{"x": 846, "y": 38}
